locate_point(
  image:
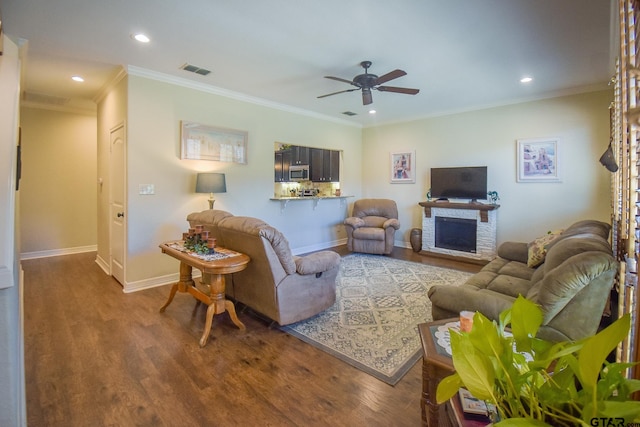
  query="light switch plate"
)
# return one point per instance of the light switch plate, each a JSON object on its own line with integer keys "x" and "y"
{"x": 146, "y": 189}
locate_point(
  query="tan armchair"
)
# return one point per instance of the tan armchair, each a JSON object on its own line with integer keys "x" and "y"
{"x": 277, "y": 284}
{"x": 372, "y": 226}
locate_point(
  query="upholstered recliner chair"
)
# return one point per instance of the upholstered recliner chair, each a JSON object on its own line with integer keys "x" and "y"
{"x": 372, "y": 226}
{"x": 277, "y": 284}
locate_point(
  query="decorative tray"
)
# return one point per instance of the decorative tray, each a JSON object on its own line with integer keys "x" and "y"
{"x": 220, "y": 253}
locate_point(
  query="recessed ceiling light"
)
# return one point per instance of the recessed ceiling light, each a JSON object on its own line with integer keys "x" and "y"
{"x": 77, "y": 79}
{"x": 141, "y": 38}
{"x": 526, "y": 80}
{"x": 372, "y": 111}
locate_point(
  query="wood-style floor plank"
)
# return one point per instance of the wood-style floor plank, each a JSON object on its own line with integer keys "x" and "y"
{"x": 96, "y": 356}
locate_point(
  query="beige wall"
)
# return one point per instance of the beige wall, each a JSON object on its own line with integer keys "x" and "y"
{"x": 488, "y": 137}
{"x": 152, "y": 111}
{"x": 58, "y": 187}
{"x": 155, "y": 110}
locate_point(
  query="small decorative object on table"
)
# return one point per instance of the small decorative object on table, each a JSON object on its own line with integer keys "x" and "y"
{"x": 198, "y": 241}
{"x": 493, "y": 195}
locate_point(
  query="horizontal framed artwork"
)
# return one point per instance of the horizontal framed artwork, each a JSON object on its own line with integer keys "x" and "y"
{"x": 203, "y": 142}
{"x": 537, "y": 160}
{"x": 403, "y": 167}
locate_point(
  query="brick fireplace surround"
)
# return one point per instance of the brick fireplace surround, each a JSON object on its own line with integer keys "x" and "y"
{"x": 484, "y": 214}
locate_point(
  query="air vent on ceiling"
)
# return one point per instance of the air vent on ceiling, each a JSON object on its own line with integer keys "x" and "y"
{"x": 41, "y": 98}
{"x": 194, "y": 69}
{"x": 349, "y": 113}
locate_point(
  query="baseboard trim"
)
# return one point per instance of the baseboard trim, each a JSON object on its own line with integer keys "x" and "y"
{"x": 313, "y": 248}
{"x": 58, "y": 252}
{"x": 154, "y": 282}
{"x": 104, "y": 265}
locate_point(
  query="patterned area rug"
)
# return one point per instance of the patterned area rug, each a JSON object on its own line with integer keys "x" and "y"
{"x": 373, "y": 324}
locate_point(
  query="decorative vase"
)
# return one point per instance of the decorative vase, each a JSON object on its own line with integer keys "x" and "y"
{"x": 416, "y": 239}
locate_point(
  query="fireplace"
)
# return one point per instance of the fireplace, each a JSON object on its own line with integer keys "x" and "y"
{"x": 457, "y": 234}
{"x": 461, "y": 223}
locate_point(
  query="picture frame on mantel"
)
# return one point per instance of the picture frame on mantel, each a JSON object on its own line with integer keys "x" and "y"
{"x": 537, "y": 160}
{"x": 403, "y": 167}
{"x": 203, "y": 142}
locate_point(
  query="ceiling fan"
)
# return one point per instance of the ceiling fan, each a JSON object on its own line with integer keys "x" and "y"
{"x": 366, "y": 82}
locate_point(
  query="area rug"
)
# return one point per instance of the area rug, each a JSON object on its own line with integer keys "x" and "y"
{"x": 373, "y": 324}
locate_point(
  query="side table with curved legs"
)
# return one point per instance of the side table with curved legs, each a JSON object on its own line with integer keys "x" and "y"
{"x": 212, "y": 276}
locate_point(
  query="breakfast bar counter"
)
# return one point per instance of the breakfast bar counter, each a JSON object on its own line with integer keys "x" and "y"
{"x": 284, "y": 200}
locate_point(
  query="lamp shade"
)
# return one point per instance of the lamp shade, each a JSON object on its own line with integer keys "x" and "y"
{"x": 211, "y": 183}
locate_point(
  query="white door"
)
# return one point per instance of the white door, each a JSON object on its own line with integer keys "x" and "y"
{"x": 117, "y": 199}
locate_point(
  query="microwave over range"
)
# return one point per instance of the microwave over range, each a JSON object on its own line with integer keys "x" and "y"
{"x": 299, "y": 173}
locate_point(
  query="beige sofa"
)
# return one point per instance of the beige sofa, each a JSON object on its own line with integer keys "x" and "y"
{"x": 570, "y": 274}
{"x": 283, "y": 287}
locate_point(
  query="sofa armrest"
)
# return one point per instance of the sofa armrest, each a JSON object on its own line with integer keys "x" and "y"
{"x": 317, "y": 262}
{"x": 514, "y": 251}
{"x": 354, "y": 222}
{"x": 391, "y": 222}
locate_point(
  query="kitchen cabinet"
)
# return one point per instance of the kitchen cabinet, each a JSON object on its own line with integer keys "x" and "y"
{"x": 299, "y": 155}
{"x": 282, "y": 161}
{"x": 324, "y": 165}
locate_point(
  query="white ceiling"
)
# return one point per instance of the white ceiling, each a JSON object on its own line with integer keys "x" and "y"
{"x": 461, "y": 54}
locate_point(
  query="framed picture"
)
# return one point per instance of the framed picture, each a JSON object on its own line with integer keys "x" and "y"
{"x": 403, "y": 167}
{"x": 201, "y": 142}
{"x": 538, "y": 160}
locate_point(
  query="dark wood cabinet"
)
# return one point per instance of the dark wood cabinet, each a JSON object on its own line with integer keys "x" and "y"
{"x": 324, "y": 165}
{"x": 282, "y": 161}
{"x": 299, "y": 155}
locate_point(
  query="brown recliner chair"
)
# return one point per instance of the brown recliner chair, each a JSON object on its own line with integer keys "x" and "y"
{"x": 372, "y": 226}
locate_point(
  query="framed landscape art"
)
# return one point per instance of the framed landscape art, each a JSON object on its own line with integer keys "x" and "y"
{"x": 201, "y": 142}
{"x": 537, "y": 160}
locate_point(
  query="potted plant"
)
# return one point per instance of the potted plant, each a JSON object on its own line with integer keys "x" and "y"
{"x": 533, "y": 382}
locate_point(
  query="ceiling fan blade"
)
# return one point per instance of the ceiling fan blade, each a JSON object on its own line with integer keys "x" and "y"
{"x": 339, "y": 79}
{"x": 366, "y": 96}
{"x": 398, "y": 90}
{"x": 335, "y": 93}
{"x": 390, "y": 76}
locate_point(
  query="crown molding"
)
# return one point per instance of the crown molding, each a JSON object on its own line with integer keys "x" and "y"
{"x": 119, "y": 74}
{"x": 190, "y": 84}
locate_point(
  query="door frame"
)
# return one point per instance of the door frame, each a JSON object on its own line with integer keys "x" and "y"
{"x": 122, "y": 125}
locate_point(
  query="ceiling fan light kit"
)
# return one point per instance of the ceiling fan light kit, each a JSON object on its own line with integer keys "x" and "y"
{"x": 367, "y": 82}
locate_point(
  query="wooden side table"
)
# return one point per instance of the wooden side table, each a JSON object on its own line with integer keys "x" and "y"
{"x": 436, "y": 365}
{"x": 212, "y": 277}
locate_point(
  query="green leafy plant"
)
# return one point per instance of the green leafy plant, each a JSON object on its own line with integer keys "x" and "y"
{"x": 533, "y": 382}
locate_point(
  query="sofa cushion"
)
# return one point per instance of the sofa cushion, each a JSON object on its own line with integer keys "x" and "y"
{"x": 255, "y": 226}
{"x": 375, "y": 207}
{"x": 514, "y": 251}
{"x": 562, "y": 283}
{"x": 568, "y": 247}
{"x": 537, "y": 249}
{"x": 369, "y": 233}
{"x": 589, "y": 226}
{"x": 374, "y": 221}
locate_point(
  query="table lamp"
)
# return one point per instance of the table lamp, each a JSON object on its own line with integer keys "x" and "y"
{"x": 211, "y": 183}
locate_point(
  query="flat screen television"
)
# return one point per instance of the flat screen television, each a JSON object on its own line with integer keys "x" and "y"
{"x": 468, "y": 182}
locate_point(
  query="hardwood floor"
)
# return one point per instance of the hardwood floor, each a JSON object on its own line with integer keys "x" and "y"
{"x": 95, "y": 356}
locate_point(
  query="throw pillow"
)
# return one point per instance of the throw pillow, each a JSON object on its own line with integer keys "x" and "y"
{"x": 537, "y": 249}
